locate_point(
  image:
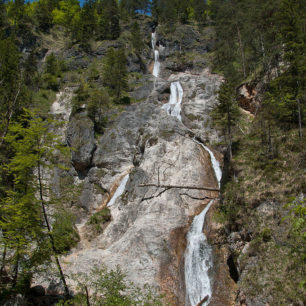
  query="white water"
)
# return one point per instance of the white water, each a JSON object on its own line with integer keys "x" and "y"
{"x": 173, "y": 107}
{"x": 214, "y": 162}
{"x": 156, "y": 67}
{"x": 119, "y": 191}
{"x": 156, "y": 63}
{"x": 198, "y": 256}
{"x": 198, "y": 262}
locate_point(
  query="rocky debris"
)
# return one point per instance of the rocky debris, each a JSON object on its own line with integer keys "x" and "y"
{"x": 247, "y": 98}
{"x": 81, "y": 137}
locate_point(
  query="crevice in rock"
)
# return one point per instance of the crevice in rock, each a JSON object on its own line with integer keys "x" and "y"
{"x": 233, "y": 269}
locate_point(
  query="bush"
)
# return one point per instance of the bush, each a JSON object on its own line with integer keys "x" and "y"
{"x": 64, "y": 232}
{"x": 98, "y": 219}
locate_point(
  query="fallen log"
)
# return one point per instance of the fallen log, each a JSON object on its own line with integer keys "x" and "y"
{"x": 179, "y": 187}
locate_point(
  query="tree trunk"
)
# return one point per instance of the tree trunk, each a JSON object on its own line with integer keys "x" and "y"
{"x": 62, "y": 276}
{"x": 300, "y": 118}
{"x": 3, "y": 261}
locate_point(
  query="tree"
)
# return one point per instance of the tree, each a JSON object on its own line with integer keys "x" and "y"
{"x": 66, "y": 13}
{"x": 43, "y": 15}
{"x": 115, "y": 73}
{"x": 110, "y": 288}
{"x": 226, "y": 113}
{"x": 292, "y": 22}
{"x": 137, "y": 40}
{"x": 109, "y": 27}
{"x": 34, "y": 150}
{"x": 98, "y": 102}
{"x": 12, "y": 91}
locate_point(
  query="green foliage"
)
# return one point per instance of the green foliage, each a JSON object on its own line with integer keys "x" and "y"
{"x": 108, "y": 23}
{"x": 64, "y": 232}
{"x": 23, "y": 201}
{"x": 109, "y": 287}
{"x": 115, "y": 73}
{"x": 98, "y": 219}
{"x": 226, "y": 113}
{"x": 297, "y": 233}
{"x": 137, "y": 40}
{"x": 98, "y": 103}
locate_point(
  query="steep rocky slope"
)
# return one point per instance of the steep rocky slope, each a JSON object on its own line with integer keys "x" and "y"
{"x": 147, "y": 232}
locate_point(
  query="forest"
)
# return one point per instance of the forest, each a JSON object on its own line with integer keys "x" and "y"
{"x": 255, "y": 44}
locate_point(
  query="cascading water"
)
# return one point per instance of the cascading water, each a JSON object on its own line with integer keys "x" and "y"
{"x": 153, "y": 40}
{"x": 119, "y": 191}
{"x": 173, "y": 107}
{"x": 214, "y": 162}
{"x": 198, "y": 256}
{"x": 156, "y": 63}
{"x": 156, "y": 56}
{"x": 198, "y": 262}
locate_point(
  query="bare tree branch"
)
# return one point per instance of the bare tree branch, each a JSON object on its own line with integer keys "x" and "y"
{"x": 155, "y": 196}
{"x": 196, "y": 198}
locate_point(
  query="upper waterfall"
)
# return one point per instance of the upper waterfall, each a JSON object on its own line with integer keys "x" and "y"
{"x": 156, "y": 63}
{"x": 156, "y": 55}
{"x": 173, "y": 107}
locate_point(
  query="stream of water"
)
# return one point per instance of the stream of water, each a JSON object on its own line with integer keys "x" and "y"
{"x": 198, "y": 262}
{"x": 173, "y": 107}
{"x": 198, "y": 255}
{"x": 156, "y": 55}
{"x": 119, "y": 191}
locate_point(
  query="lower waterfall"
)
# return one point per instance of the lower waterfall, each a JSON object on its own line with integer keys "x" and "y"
{"x": 198, "y": 262}
{"x": 198, "y": 254}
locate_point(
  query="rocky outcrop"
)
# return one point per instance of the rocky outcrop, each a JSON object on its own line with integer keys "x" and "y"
{"x": 247, "y": 98}
{"x": 81, "y": 137}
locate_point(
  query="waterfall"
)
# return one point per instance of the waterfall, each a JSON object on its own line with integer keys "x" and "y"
{"x": 198, "y": 262}
{"x": 173, "y": 107}
{"x": 156, "y": 63}
{"x": 198, "y": 256}
{"x": 214, "y": 162}
{"x": 119, "y": 191}
{"x": 156, "y": 55}
{"x": 153, "y": 40}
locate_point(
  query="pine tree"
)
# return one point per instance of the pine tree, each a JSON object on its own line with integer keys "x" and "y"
{"x": 137, "y": 40}
{"x": 109, "y": 27}
{"x": 115, "y": 73}
{"x": 226, "y": 113}
{"x": 34, "y": 147}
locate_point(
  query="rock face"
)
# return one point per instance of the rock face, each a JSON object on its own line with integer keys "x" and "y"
{"x": 146, "y": 236}
{"x": 81, "y": 136}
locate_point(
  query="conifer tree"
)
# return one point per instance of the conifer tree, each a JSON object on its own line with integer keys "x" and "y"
{"x": 115, "y": 73}
{"x": 137, "y": 40}
{"x": 33, "y": 152}
{"x": 226, "y": 113}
